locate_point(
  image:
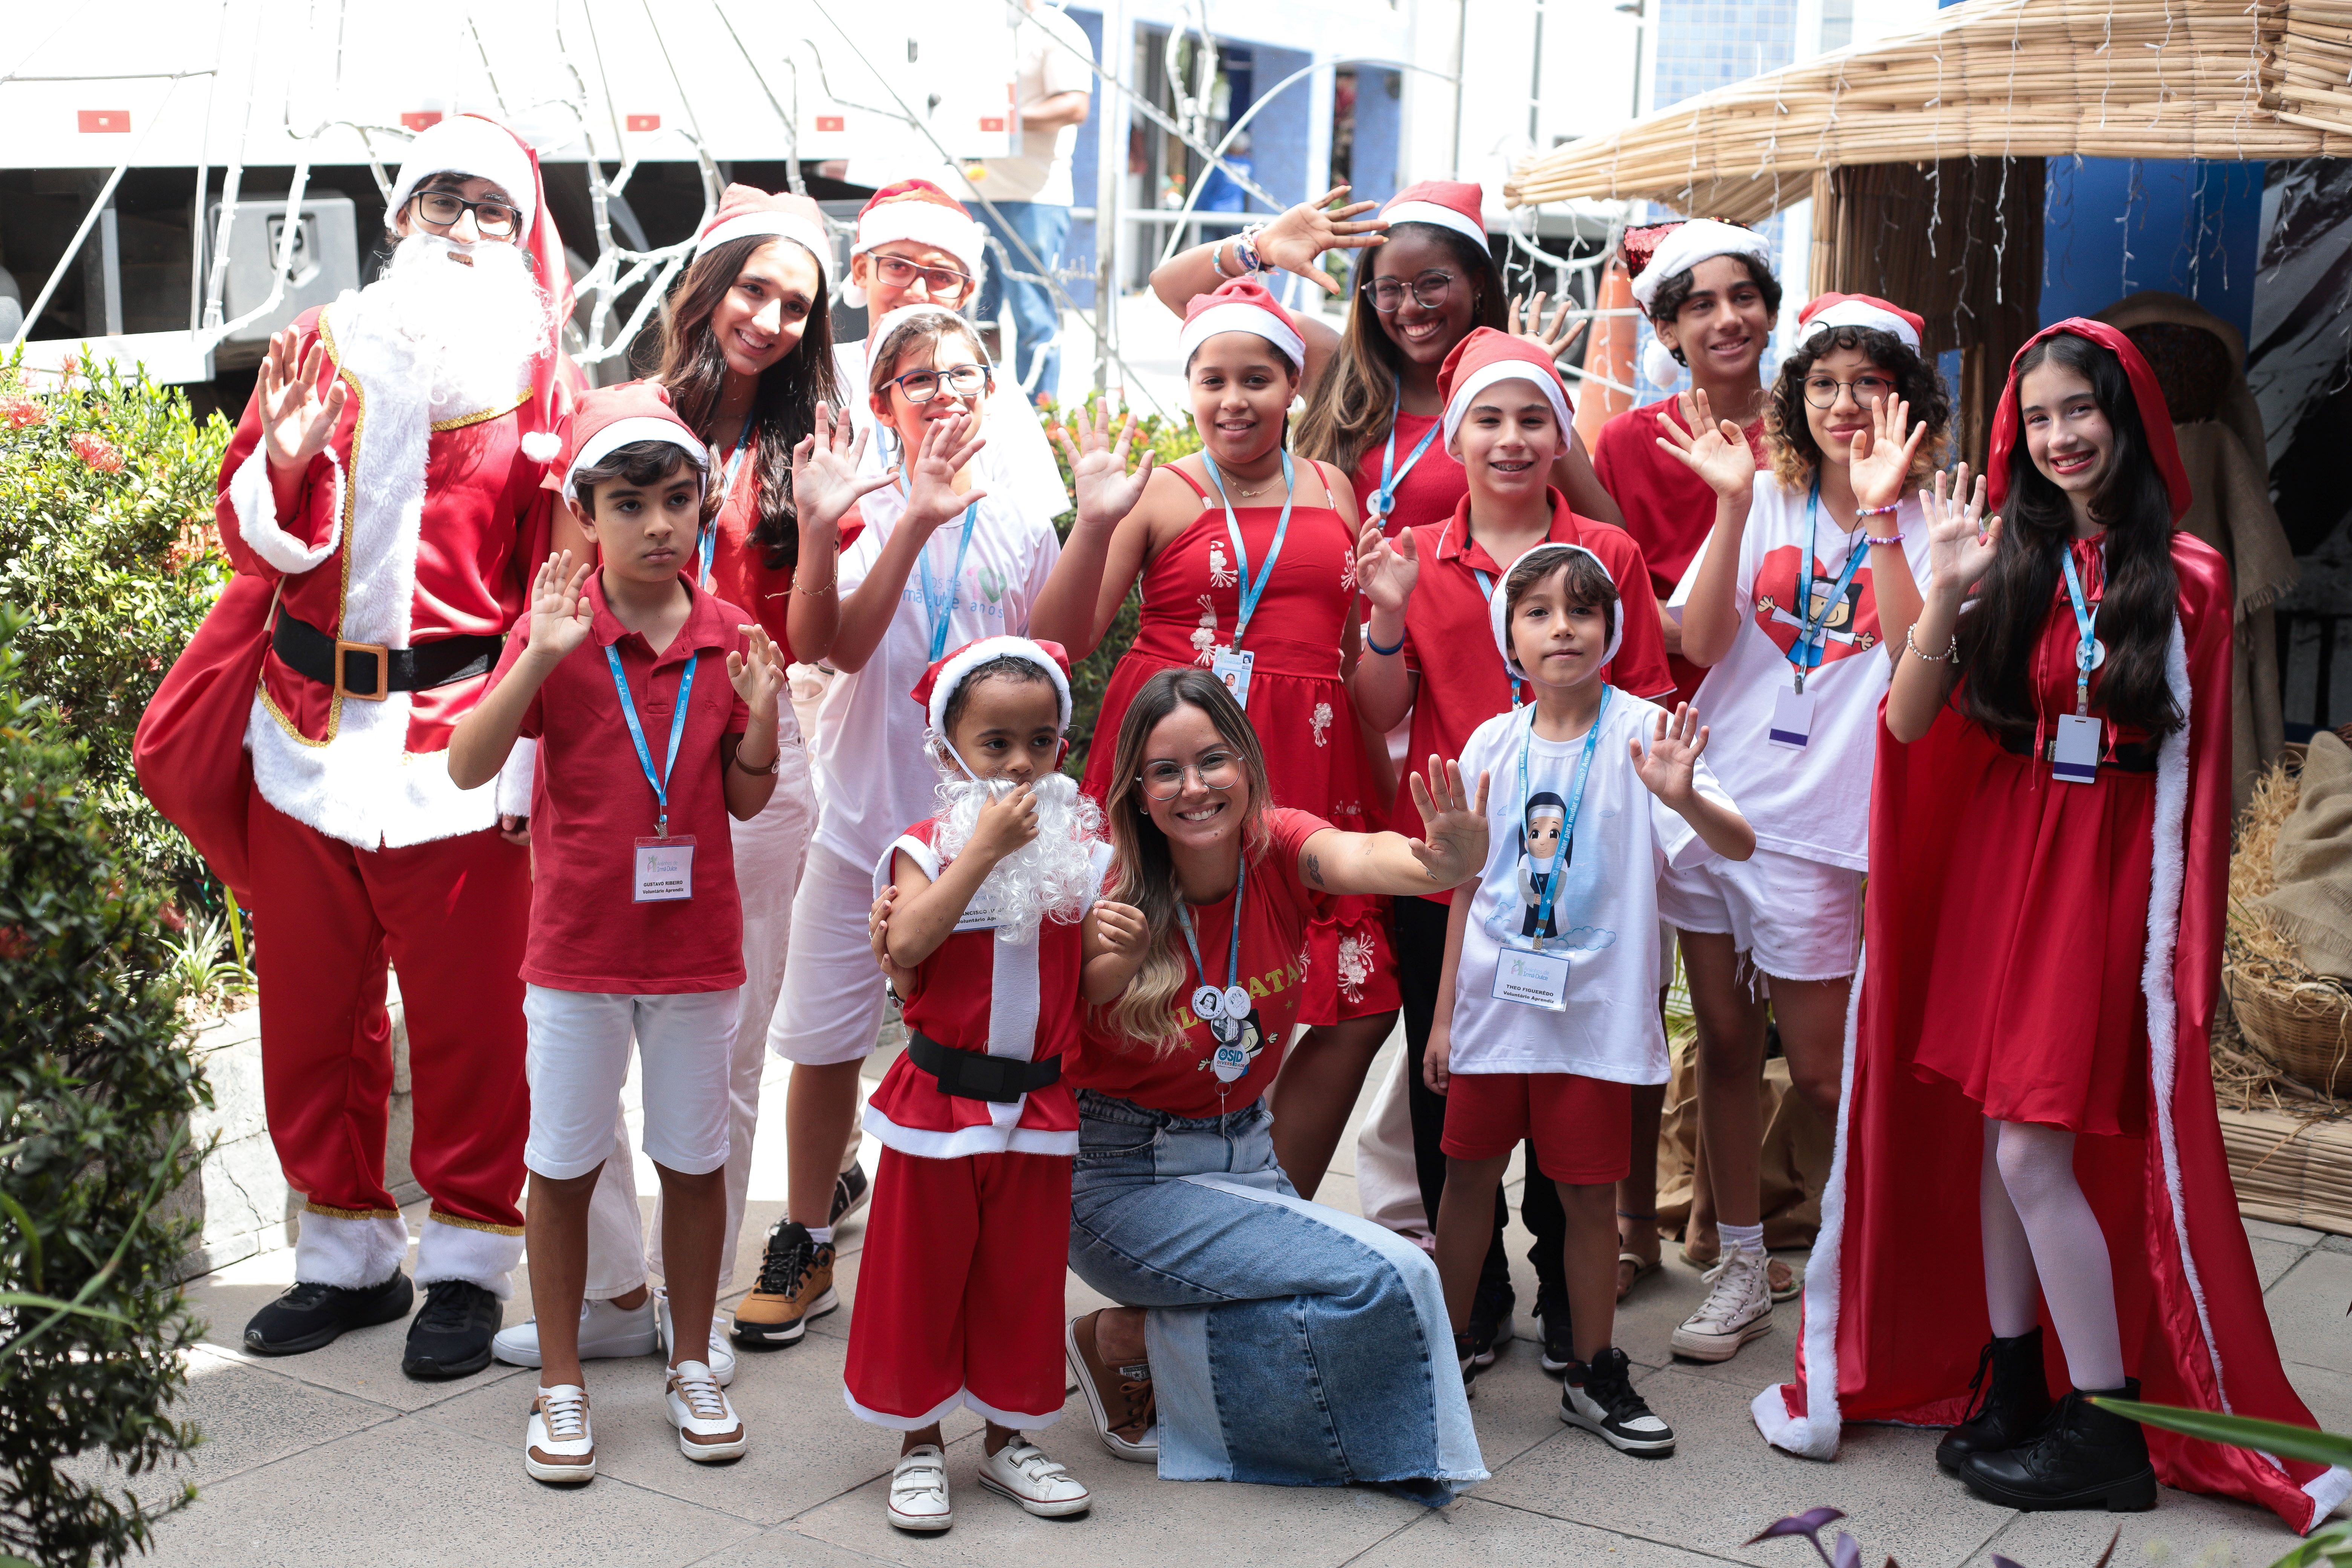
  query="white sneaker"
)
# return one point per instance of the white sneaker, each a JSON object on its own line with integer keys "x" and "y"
{"x": 556, "y": 1445}
{"x": 1020, "y": 1470}
{"x": 1737, "y": 1310}
{"x": 919, "y": 1490}
{"x": 708, "y": 1429}
{"x": 721, "y": 1361}
{"x": 606, "y": 1331}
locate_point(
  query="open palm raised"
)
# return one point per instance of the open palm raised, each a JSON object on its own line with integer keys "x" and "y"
{"x": 1962, "y": 543}
{"x": 302, "y": 398}
{"x": 1713, "y": 448}
{"x": 1105, "y": 490}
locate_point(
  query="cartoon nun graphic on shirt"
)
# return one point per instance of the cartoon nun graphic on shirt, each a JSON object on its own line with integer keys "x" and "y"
{"x": 1541, "y": 855}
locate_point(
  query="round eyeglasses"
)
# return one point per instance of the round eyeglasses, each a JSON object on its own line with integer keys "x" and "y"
{"x": 963, "y": 381}
{"x": 1428, "y": 290}
{"x": 944, "y": 282}
{"x": 1821, "y": 390}
{"x": 1165, "y": 780}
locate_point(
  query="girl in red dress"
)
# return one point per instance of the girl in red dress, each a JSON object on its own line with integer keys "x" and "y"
{"x": 1247, "y": 559}
{"x": 2049, "y": 860}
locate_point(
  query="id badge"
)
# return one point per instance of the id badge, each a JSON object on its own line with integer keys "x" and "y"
{"x": 1233, "y": 668}
{"x": 1532, "y": 980}
{"x": 665, "y": 870}
{"x": 2075, "y": 759}
{"x": 984, "y": 913}
{"x": 1792, "y": 718}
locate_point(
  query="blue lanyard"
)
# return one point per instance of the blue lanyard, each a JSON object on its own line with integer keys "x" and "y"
{"x": 1807, "y": 651}
{"x": 937, "y": 603}
{"x": 638, "y": 734}
{"x": 1233, "y": 948}
{"x": 1384, "y": 499}
{"x": 710, "y": 530}
{"x": 1486, "y": 590}
{"x": 2086, "y": 650}
{"x": 1575, "y": 801}
{"x": 1250, "y": 591}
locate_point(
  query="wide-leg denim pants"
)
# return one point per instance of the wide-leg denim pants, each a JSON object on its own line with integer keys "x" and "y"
{"x": 1290, "y": 1344}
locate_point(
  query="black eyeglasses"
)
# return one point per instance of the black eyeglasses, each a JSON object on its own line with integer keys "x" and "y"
{"x": 1428, "y": 292}
{"x": 963, "y": 381}
{"x": 495, "y": 220}
{"x": 900, "y": 273}
{"x": 1821, "y": 390}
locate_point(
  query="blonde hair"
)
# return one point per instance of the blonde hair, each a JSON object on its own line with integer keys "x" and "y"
{"x": 1143, "y": 874}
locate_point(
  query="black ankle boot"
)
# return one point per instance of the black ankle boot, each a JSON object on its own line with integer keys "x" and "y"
{"x": 2008, "y": 1398}
{"x": 2084, "y": 1457}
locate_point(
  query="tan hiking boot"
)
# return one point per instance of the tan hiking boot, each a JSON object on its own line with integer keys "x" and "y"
{"x": 795, "y": 1285}
{"x": 1126, "y": 1410}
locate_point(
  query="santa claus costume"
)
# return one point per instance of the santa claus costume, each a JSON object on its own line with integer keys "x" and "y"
{"x": 959, "y": 1285}
{"x": 1970, "y": 1025}
{"x": 402, "y": 557}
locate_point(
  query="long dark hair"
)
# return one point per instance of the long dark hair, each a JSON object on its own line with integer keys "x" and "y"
{"x": 2014, "y": 602}
{"x": 1797, "y": 457}
{"x": 1354, "y": 401}
{"x": 784, "y": 408}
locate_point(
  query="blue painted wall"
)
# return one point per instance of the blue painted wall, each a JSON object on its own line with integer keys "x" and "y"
{"x": 2113, "y": 227}
{"x": 1378, "y": 121}
{"x": 1278, "y": 135}
{"x": 1078, "y": 251}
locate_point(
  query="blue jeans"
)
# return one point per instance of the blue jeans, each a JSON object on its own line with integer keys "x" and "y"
{"x": 1290, "y": 1344}
{"x": 1036, "y": 322}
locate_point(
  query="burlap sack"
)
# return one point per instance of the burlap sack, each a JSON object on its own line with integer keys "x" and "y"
{"x": 2313, "y": 860}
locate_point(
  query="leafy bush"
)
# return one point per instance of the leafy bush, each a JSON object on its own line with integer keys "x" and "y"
{"x": 106, "y": 505}
{"x": 96, "y": 1086}
{"x": 1171, "y": 440}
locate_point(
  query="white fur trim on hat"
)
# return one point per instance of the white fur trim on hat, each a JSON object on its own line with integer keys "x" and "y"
{"x": 774, "y": 225}
{"x": 1659, "y": 364}
{"x": 1859, "y": 313}
{"x": 956, "y": 668}
{"x": 468, "y": 145}
{"x": 1458, "y": 407}
{"x": 1237, "y": 316}
{"x": 621, "y": 432}
{"x": 1701, "y": 239}
{"x": 1439, "y": 213}
{"x": 924, "y": 223}
{"x": 1498, "y": 608}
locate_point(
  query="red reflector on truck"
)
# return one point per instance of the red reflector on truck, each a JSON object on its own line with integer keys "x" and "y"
{"x": 90, "y": 120}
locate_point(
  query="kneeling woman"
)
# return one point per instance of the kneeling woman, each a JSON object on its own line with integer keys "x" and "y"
{"x": 1278, "y": 1341}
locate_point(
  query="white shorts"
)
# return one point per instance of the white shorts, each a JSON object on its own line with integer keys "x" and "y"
{"x": 578, "y": 1057}
{"x": 831, "y": 1007}
{"x": 1795, "y": 919}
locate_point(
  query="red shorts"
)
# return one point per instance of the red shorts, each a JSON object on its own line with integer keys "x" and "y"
{"x": 1583, "y": 1127}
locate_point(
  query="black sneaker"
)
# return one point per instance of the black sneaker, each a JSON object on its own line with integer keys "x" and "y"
{"x": 1490, "y": 1319}
{"x": 451, "y": 1336}
{"x": 1558, "y": 1338}
{"x": 850, "y": 1191}
{"x": 309, "y": 1316}
{"x": 1599, "y": 1396}
{"x": 1466, "y": 1351}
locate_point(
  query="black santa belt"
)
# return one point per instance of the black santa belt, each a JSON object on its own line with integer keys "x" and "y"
{"x": 1001, "y": 1079}
{"x": 371, "y": 671}
{"x": 2125, "y": 757}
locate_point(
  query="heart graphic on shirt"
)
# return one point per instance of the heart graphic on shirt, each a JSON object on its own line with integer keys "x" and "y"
{"x": 1849, "y": 626}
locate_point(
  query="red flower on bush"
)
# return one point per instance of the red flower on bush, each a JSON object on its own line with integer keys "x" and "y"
{"x": 14, "y": 945}
{"x": 23, "y": 411}
{"x": 97, "y": 452}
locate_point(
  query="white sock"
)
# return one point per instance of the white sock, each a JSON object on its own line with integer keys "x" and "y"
{"x": 1749, "y": 1237}
{"x": 822, "y": 1235}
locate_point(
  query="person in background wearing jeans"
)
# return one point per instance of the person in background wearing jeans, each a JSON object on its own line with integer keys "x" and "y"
{"x": 1031, "y": 189}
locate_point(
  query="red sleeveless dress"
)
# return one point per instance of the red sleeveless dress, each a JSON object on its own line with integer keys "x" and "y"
{"x": 1297, "y": 702}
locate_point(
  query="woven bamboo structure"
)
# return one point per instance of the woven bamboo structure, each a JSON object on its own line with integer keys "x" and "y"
{"x": 1993, "y": 80}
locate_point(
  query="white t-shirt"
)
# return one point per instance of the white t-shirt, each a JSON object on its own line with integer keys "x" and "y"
{"x": 872, "y": 776}
{"x": 1043, "y": 65}
{"x": 1017, "y": 464}
{"x": 1603, "y": 912}
{"x": 1813, "y": 802}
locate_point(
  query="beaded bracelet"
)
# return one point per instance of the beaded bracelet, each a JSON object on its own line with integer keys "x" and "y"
{"x": 1376, "y": 647}
{"x": 1219, "y": 265}
{"x": 1873, "y": 538}
{"x": 1944, "y": 657}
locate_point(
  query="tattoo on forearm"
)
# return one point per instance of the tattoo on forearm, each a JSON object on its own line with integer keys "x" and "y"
{"x": 1315, "y": 870}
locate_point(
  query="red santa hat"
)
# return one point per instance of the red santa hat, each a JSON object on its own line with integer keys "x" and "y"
{"x": 1456, "y": 204}
{"x": 1829, "y": 311}
{"x": 1487, "y": 356}
{"x": 1547, "y": 555}
{"x": 1659, "y": 252}
{"x": 918, "y": 211}
{"x": 1242, "y": 305}
{"x": 610, "y": 417}
{"x": 939, "y": 683}
{"x": 746, "y": 212}
{"x": 2154, "y": 414}
{"x": 482, "y": 149}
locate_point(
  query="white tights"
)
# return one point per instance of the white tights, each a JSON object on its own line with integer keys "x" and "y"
{"x": 2039, "y": 1230}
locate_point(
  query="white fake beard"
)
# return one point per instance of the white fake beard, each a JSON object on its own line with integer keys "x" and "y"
{"x": 474, "y": 328}
{"x": 1053, "y": 875}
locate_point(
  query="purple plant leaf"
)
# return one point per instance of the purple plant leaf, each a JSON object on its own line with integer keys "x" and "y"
{"x": 1849, "y": 1552}
{"x": 2000, "y": 1561}
{"x": 1807, "y": 1524}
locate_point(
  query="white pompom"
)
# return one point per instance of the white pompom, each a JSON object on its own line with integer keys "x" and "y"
{"x": 542, "y": 446}
{"x": 1659, "y": 365}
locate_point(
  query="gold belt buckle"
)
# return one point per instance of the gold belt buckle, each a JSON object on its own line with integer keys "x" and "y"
{"x": 383, "y": 670}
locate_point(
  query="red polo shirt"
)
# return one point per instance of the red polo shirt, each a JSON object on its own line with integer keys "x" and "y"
{"x": 1449, "y": 635}
{"x": 590, "y": 803}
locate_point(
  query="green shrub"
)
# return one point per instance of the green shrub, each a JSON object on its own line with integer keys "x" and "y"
{"x": 106, "y": 534}
{"x": 96, "y": 1086}
{"x": 1171, "y": 440}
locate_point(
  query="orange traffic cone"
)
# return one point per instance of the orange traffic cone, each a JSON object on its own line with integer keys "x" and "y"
{"x": 1614, "y": 345}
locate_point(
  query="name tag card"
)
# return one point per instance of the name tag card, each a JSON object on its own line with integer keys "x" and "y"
{"x": 1532, "y": 980}
{"x": 2075, "y": 759}
{"x": 984, "y": 913}
{"x": 665, "y": 870}
{"x": 1792, "y": 718}
{"x": 1234, "y": 669}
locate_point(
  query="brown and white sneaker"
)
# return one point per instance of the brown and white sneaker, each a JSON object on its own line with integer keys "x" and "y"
{"x": 557, "y": 1447}
{"x": 795, "y": 1286}
{"x": 1125, "y": 1408}
{"x": 709, "y": 1430}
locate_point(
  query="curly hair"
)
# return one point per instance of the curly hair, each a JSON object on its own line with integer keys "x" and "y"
{"x": 1667, "y": 303}
{"x": 1795, "y": 455}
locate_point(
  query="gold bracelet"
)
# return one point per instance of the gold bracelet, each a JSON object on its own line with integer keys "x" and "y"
{"x": 829, "y": 582}
{"x": 1944, "y": 657}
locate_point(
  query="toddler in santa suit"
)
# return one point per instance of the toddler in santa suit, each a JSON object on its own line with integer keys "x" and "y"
{"x": 978, "y": 922}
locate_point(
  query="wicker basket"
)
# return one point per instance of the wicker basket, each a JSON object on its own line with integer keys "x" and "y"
{"x": 2305, "y": 1029}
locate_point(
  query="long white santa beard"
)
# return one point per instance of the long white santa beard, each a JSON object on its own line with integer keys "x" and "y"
{"x": 474, "y": 329}
{"x": 1053, "y": 875}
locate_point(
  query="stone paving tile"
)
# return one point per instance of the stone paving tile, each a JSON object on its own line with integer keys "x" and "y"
{"x": 2184, "y": 1530}
{"x": 2293, "y": 1235}
{"x": 1474, "y": 1534}
{"x": 2274, "y": 1258}
{"x": 2307, "y": 1311}
{"x": 250, "y": 1413}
